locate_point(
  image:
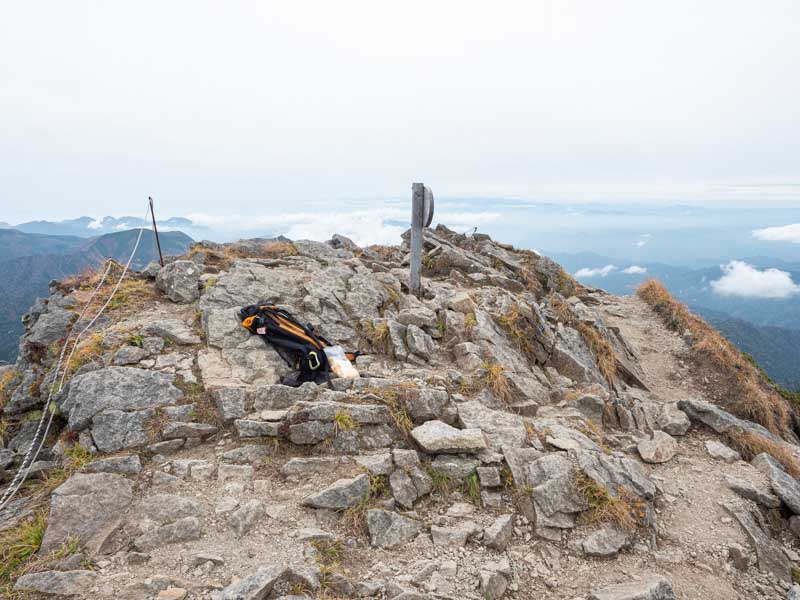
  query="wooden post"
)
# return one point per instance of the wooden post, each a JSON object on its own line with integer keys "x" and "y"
{"x": 417, "y": 223}
{"x": 155, "y": 231}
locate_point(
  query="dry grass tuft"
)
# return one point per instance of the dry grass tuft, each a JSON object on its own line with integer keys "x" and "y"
{"x": 278, "y": 249}
{"x": 7, "y": 385}
{"x": 495, "y": 380}
{"x": 377, "y": 336}
{"x": 354, "y": 519}
{"x": 602, "y": 349}
{"x": 750, "y": 445}
{"x": 522, "y": 328}
{"x": 623, "y": 510}
{"x": 751, "y": 395}
{"x": 88, "y": 350}
{"x": 394, "y": 399}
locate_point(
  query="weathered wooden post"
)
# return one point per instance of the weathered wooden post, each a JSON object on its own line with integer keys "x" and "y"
{"x": 421, "y": 217}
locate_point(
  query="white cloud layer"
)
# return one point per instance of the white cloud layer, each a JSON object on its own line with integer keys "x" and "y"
{"x": 634, "y": 270}
{"x": 746, "y": 281}
{"x": 364, "y": 227}
{"x": 786, "y": 233}
{"x": 597, "y": 272}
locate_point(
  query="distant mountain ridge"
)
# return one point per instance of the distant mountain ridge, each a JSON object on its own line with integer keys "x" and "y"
{"x": 28, "y": 262}
{"x": 90, "y": 227}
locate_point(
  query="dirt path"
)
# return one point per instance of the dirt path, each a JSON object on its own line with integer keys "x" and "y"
{"x": 695, "y": 530}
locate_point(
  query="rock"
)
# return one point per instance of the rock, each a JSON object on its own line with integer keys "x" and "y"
{"x": 720, "y": 420}
{"x": 592, "y": 407}
{"x": 376, "y": 464}
{"x": 794, "y": 592}
{"x": 173, "y": 330}
{"x": 178, "y": 280}
{"x": 62, "y": 583}
{"x": 518, "y": 460}
{"x": 492, "y": 584}
{"x": 166, "y": 447}
{"x": 312, "y": 465}
{"x": 769, "y": 555}
{"x": 231, "y": 403}
{"x": 419, "y": 342}
{"x": 120, "y": 465}
{"x": 7, "y": 458}
{"x": 234, "y": 472}
{"x": 739, "y": 557}
{"x": 468, "y": 356}
{"x": 565, "y": 438}
{"x": 720, "y": 451}
{"x": 178, "y": 430}
{"x": 660, "y": 448}
{"x": 500, "y": 427}
{"x": 256, "y": 586}
{"x": 612, "y": 472}
{"x": 498, "y": 534}
{"x": 489, "y": 477}
{"x": 181, "y": 530}
{"x": 403, "y": 489}
{"x": 672, "y": 420}
{"x": 245, "y": 518}
{"x": 435, "y": 437}
{"x": 425, "y": 404}
{"x": 278, "y": 397}
{"x": 252, "y": 429}
{"x": 204, "y": 557}
{"x": 454, "y": 466}
{"x": 555, "y": 497}
{"x": 172, "y": 593}
{"x": 164, "y": 508}
{"x": 653, "y": 587}
{"x": 129, "y": 355}
{"x": 89, "y": 507}
{"x": 605, "y": 542}
{"x": 342, "y": 494}
{"x": 388, "y": 529}
{"x": 116, "y": 404}
{"x": 784, "y": 485}
{"x": 246, "y": 455}
{"x": 397, "y": 340}
{"x": 747, "y": 490}
{"x": 461, "y": 302}
{"x": 454, "y": 537}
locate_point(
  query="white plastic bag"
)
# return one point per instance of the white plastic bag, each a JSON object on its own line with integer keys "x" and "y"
{"x": 340, "y": 364}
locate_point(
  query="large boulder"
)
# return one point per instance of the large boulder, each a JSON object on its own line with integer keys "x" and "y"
{"x": 178, "y": 280}
{"x": 720, "y": 420}
{"x": 116, "y": 403}
{"x": 660, "y": 448}
{"x": 500, "y": 427}
{"x": 613, "y": 473}
{"x": 89, "y": 507}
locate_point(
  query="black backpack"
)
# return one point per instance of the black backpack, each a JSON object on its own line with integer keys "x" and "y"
{"x": 299, "y": 345}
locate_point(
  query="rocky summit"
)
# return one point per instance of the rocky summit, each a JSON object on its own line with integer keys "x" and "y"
{"x": 512, "y": 434}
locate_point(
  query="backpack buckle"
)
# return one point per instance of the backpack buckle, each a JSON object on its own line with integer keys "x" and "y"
{"x": 315, "y": 357}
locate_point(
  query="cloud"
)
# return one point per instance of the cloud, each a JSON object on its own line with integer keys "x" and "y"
{"x": 598, "y": 272}
{"x": 744, "y": 280}
{"x": 364, "y": 227}
{"x": 96, "y": 224}
{"x": 634, "y": 270}
{"x": 786, "y": 233}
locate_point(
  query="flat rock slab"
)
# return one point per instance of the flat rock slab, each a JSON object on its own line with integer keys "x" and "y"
{"x": 438, "y": 437}
{"x": 660, "y": 448}
{"x": 768, "y": 552}
{"x": 722, "y": 452}
{"x": 172, "y": 330}
{"x": 120, "y": 465}
{"x": 116, "y": 404}
{"x": 651, "y": 588}
{"x": 342, "y": 494}
{"x": 87, "y": 506}
{"x": 500, "y": 427}
{"x": 387, "y": 529}
{"x": 749, "y": 491}
{"x": 62, "y": 583}
{"x": 256, "y": 586}
{"x": 605, "y": 542}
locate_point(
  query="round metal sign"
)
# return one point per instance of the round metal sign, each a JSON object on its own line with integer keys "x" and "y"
{"x": 427, "y": 207}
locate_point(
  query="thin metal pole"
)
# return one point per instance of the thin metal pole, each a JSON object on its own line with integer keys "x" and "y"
{"x": 417, "y": 207}
{"x": 155, "y": 230}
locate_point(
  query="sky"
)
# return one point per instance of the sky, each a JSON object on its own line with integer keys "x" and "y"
{"x": 227, "y": 110}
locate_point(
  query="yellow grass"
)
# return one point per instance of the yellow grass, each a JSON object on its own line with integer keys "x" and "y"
{"x": 623, "y": 509}
{"x": 750, "y": 445}
{"x": 751, "y": 396}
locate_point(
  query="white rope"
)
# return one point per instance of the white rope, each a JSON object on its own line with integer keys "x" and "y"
{"x": 25, "y": 467}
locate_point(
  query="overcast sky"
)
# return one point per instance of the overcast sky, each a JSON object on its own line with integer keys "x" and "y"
{"x": 239, "y": 107}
